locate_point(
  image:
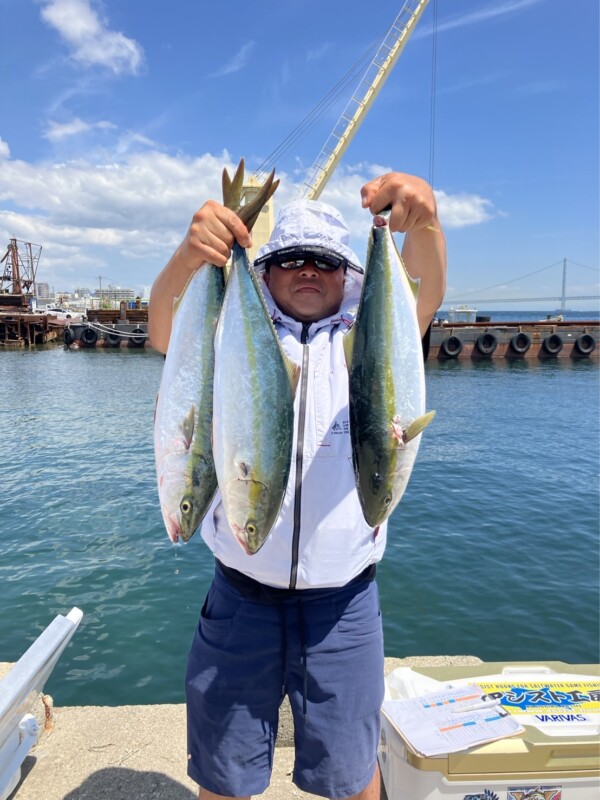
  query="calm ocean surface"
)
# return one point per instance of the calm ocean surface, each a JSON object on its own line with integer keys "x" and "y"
{"x": 494, "y": 550}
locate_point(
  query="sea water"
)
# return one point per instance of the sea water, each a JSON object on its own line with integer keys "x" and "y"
{"x": 492, "y": 552}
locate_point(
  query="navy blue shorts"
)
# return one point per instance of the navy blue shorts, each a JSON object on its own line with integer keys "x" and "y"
{"x": 321, "y": 647}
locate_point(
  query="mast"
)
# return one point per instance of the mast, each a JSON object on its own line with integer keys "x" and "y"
{"x": 369, "y": 87}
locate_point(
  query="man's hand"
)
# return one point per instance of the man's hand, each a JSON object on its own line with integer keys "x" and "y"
{"x": 411, "y": 198}
{"x": 211, "y": 235}
{"x": 209, "y": 240}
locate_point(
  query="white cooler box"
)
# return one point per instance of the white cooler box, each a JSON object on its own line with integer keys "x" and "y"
{"x": 556, "y": 758}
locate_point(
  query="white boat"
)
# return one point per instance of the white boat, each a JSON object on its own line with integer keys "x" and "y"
{"x": 462, "y": 314}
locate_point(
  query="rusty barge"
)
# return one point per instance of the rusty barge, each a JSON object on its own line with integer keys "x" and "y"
{"x": 107, "y": 328}
{"x": 545, "y": 339}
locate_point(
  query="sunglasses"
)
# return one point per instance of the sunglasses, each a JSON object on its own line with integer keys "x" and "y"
{"x": 290, "y": 258}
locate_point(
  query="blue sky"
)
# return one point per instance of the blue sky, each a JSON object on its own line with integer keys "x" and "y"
{"x": 118, "y": 118}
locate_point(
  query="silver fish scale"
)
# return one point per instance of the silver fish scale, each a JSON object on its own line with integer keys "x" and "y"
{"x": 253, "y": 410}
{"x": 387, "y": 383}
{"x": 186, "y": 385}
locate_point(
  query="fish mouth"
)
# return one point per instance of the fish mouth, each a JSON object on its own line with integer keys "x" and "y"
{"x": 242, "y": 537}
{"x": 174, "y": 528}
{"x": 244, "y": 544}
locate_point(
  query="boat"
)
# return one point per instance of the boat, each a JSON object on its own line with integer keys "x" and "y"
{"x": 462, "y": 314}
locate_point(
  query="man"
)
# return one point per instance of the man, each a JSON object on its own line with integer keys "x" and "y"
{"x": 301, "y": 616}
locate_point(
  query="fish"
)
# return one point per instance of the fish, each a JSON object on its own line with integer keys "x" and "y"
{"x": 185, "y": 468}
{"x": 253, "y": 418}
{"x": 386, "y": 377}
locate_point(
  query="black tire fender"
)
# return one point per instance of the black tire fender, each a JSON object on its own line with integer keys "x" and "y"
{"x": 553, "y": 344}
{"x": 68, "y": 336}
{"x": 486, "y": 343}
{"x": 137, "y": 337}
{"x": 113, "y": 339}
{"x": 585, "y": 344}
{"x": 520, "y": 343}
{"x": 89, "y": 337}
{"x": 451, "y": 346}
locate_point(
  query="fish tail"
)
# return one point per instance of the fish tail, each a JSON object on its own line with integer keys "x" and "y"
{"x": 232, "y": 188}
{"x": 249, "y": 213}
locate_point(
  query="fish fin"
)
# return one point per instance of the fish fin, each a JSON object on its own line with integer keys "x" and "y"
{"x": 249, "y": 213}
{"x": 232, "y": 188}
{"x": 418, "y": 425}
{"x": 348, "y": 344}
{"x": 293, "y": 371}
{"x": 187, "y": 426}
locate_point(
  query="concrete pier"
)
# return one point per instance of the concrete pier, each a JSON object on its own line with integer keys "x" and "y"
{"x": 135, "y": 752}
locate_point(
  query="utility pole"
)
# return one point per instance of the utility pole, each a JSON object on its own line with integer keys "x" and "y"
{"x": 100, "y": 279}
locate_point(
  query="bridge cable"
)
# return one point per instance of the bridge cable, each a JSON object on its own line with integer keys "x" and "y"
{"x": 577, "y": 264}
{"x": 512, "y": 280}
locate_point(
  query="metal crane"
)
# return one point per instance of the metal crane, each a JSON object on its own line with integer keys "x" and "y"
{"x": 369, "y": 87}
{"x": 347, "y": 125}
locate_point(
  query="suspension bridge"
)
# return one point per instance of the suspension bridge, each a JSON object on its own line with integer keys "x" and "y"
{"x": 563, "y": 298}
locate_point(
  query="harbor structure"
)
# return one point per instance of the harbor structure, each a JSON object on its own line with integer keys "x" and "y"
{"x": 545, "y": 339}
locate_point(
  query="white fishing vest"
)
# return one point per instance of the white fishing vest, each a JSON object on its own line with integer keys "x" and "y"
{"x": 321, "y": 538}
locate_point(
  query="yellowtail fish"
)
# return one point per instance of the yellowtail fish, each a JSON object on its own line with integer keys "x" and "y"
{"x": 387, "y": 378}
{"x": 253, "y": 419}
{"x": 185, "y": 468}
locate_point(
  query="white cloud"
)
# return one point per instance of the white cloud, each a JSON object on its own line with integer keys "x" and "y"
{"x": 460, "y": 210}
{"x": 89, "y": 38}
{"x": 4, "y": 149}
{"x": 237, "y": 63}
{"x": 475, "y": 17}
{"x": 123, "y": 218}
{"x": 540, "y": 87}
{"x": 56, "y": 131}
{"x": 317, "y": 53}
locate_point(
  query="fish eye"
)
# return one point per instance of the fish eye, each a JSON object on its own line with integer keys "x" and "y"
{"x": 251, "y": 529}
{"x": 387, "y": 500}
{"x": 185, "y": 506}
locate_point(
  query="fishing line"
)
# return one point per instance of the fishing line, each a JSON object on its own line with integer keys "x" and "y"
{"x": 324, "y": 104}
{"x": 433, "y": 92}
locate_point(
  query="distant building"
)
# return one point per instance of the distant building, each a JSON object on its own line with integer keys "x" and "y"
{"x": 115, "y": 293}
{"x": 82, "y": 292}
{"x": 42, "y": 290}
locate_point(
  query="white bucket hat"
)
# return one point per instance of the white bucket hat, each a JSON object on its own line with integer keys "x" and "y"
{"x": 310, "y": 224}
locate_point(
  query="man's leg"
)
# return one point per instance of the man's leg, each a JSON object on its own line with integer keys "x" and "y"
{"x": 334, "y": 679}
{"x": 233, "y": 691}
{"x": 370, "y": 792}
{"x": 206, "y": 795}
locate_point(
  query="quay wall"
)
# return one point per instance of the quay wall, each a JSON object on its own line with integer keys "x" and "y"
{"x": 140, "y": 751}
